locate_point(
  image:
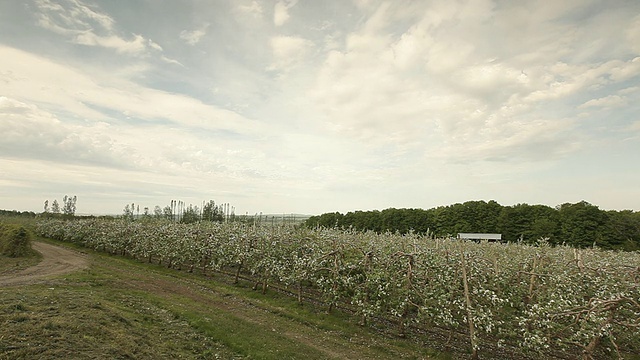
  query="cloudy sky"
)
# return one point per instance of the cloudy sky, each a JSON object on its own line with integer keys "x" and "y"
{"x": 317, "y": 106}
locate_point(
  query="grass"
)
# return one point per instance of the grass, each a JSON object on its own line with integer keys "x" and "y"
{"x": 15, "y": 240}
{"x": 49, "y": 323}
{"x": 11, "y": 264}
{"x": 121, "y": 309}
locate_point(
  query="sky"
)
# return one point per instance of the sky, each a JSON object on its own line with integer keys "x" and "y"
{"x": 319, "y": 106}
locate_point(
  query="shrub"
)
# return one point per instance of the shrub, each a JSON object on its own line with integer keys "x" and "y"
{"x": 15, "y": 240}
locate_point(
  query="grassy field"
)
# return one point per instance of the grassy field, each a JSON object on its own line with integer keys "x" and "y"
{"x": 122, "y": 309}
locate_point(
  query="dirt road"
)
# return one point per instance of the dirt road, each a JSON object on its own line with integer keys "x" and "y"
{"x": 55, "y": 261}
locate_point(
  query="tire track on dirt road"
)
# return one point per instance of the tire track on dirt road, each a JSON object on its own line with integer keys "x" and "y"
{"x": 55, "y": 261}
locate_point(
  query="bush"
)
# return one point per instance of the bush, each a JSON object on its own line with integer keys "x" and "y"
{"x": 15, "y": 241}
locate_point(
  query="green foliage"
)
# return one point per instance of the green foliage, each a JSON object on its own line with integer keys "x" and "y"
{"x": 529, "y": 223}
{"x": 121, "y": 309}
{"x": 178, "y": 211}
{"x": 622, "y": 230}
{"x": 329, "y": 220}
{"x": 127, "y": 211}
{"x": 15, "y": 240}
{"x": 535, "y": 297}
{"x": 212, "y": 212}
{"x": 582, "y": 224}
{"x": 55, "y": 207}
{"x": 191, "y": 214}
{"x": 579, "y": 225}
{"x": 17, "y": 214}
{"x": 69, "y": 205}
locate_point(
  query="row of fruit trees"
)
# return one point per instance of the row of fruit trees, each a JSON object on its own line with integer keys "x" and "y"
{"x": 539, "y": 298}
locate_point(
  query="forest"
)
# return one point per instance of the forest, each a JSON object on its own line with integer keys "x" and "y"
{"x": 580, "y": 225}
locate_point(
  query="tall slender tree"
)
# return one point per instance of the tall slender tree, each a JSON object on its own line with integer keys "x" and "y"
{"x": 55, "y": 207}
{"x": 69, "y": 205}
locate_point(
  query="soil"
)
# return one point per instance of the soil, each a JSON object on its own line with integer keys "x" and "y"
{"x": 55, "y": 261}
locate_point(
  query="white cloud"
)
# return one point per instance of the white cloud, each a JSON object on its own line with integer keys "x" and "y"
{"x": 633, "y": 34}
{"x": 635, "y": 126}
{"x": 80, "y": 93}
{"x": 171, "y": 61}
{"x": 316, "y": 107}
{"x": 288, "y": 51}
{"x": 84, "y": 26}
{"x": 136, "y": 46}
{"x": 194, "y": 37}
{"x": 73, "y": 15}
{"x": 81, "y": 11}
{"x": 30, "y": 132}
{"x": 513, "y": 141}
{"x": 154, "y": 45}
{"x": 254, "y": 8}
{"x": 629, "y": 90}
{"x": 410, "y": 90}
{"x": 281, "y": 11}
{"x": 625, "y": 70}
{"x": 491, "y": 80}
{"x": 363, "y": 3}
{"x": 606, "y": 102}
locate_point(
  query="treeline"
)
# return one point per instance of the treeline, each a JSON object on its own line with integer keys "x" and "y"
{"x": 178, "y": 211}
{"x": 68, "y": 207}
{"x": 581, "y": 224}
{"x": 16, "y": 213}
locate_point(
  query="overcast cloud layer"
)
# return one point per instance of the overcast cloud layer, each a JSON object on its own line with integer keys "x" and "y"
{"x": 317, "y": 106}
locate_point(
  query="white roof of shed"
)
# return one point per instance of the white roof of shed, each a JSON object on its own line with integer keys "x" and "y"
{"x": 480, "y": 236}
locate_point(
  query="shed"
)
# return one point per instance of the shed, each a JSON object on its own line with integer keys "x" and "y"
{"x": 480, "y": 236}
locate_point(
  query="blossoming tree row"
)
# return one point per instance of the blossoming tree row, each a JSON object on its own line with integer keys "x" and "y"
{"x": 540, "y": 298}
